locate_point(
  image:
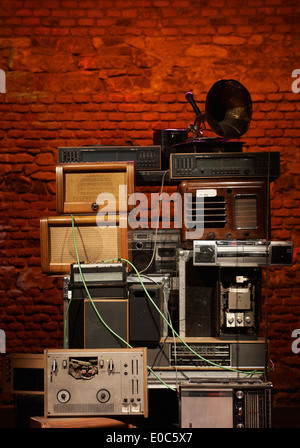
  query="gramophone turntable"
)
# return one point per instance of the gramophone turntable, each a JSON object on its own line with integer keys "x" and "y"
{"x": 228, "y": 110}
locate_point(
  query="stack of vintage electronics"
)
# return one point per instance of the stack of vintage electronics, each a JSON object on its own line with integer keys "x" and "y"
{"x": 225, "y": 245}
{"x": 200, "y": 331}
{"x": 89, "y": 252}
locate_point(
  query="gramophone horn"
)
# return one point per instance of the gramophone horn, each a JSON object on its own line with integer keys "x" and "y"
{"x": 228, "y": 108}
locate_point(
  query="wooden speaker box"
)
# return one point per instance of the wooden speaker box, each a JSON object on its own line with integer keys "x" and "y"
{"x": 94, "y": 243}
{"x": 78, "y": 186}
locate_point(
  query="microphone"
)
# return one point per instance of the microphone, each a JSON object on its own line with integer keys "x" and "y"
{"x": 189, "y": 97}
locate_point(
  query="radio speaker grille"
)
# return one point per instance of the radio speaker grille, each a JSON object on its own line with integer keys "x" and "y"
{"x": 86, "y": 188}
{"x": 246, "y": 212}
{"x": 93, "y": 244}
{"x": 81, "y": 187}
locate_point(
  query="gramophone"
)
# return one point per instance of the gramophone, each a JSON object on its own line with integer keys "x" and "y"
{"x": 228, "y": 112}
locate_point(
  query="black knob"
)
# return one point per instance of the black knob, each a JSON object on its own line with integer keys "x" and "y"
{"x": 210, "y": 235}
{"x": 95, "y": 206}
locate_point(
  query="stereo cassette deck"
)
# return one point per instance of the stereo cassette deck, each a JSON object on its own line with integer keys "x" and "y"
{"x": 242, "y": 253}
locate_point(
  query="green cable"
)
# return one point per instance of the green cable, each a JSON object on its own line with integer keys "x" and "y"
{"x": 156, "y": 307}
{"x": 98, "y": 314}
{"x": 174, "y": 331}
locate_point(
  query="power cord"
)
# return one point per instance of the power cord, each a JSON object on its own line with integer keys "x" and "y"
{"x": 231, "y": 369}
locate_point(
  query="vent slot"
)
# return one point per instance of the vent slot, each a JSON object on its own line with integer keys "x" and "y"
{"x": 83, "y": 408}
{"x": 213, "y": 215}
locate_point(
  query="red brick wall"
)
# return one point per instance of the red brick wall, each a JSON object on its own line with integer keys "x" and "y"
{"x": 87, "y": 72}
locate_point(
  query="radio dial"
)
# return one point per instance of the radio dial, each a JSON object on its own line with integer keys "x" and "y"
{"x": 211, "y": 236}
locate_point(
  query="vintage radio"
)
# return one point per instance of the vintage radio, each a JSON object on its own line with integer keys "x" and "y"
{"x": 226, "y": 404}
{"x": 242, "y": 253}
{"x": 144, "y": 157}
{"x": 88, "y": 187}
{"x": 98, "y": 274}
{"x": 23, "y": 373}
{"x": 95, "y": 243}
{"x": 102, "y": 280}
{"x": 217, "y": 165}
{"x": 96, "y": 382}
{"x": 224, "y": 209}
{"x": 155, "y": 251}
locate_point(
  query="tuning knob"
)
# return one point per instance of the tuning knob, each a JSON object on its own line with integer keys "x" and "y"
{"x": 95, "y": 206}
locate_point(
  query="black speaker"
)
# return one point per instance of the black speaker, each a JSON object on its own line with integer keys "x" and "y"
{"x": 86, "y": 330}
{"x": 201, "y": 300}
{"x": 115, "y": 315}
{"x": 142, "y": 252}
{"x": 145, "y": 322}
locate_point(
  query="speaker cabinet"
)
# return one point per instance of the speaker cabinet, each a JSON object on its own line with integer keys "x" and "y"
{"x": 95, "y": 243}
{"x": 145, "y": 322}
{"x": 115, "y": 314}
{"x": 86, "y": 330}
{"x": 142, "y": 254}
{"x": 78, "y": 186}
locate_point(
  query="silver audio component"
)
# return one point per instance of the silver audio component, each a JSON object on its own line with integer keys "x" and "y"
{"x": 96, "y": 382}
{"x": 226, "y": 404}
{"x": 165, "y": 243}
{"x": 242, "y": 253}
